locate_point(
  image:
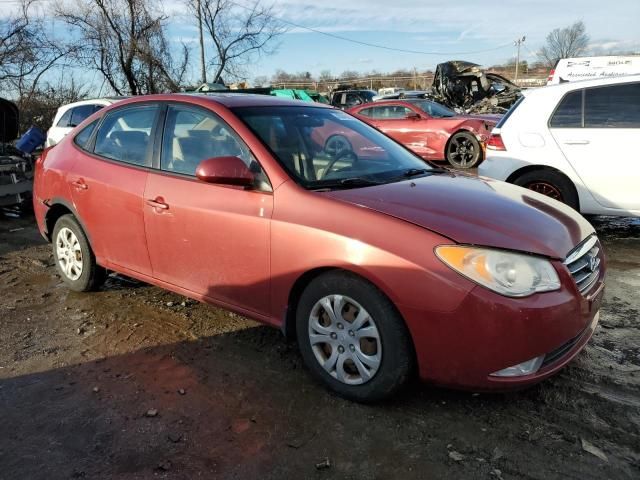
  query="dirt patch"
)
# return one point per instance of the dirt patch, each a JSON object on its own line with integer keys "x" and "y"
{"x": 135, "y": 382}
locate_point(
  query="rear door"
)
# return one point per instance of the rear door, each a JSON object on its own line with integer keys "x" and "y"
{"x": 107, "y": 185}
{"x": 597, "y": 130}
{"x": 210, "y": 239}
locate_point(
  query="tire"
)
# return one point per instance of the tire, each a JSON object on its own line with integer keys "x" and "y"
{"x": 552, "y": 184}
{"x": 381, "y": 344}
{"x": 71, "y": 248}
{"x": 463, "y": 150}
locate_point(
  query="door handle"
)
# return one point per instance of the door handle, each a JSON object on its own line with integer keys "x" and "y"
{"x": 158, "y": 203}
{"x": 577, "y": 142}
{"x": 79, "y": 184}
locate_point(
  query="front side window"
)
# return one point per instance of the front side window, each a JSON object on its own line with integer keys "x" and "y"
{"x": 613, "y": 106}
{"x": 192, "y": 135}
{"x": 392, "y": 112}
{"x": 569, "y": 111}
{"x": 325, "y": 148}
{"x": 434, "y": 109}
{"x": 124, "y": 134}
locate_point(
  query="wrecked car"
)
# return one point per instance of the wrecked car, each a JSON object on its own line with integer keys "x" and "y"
{"x": 465, "y": 87}
{"x": 16, "y": 168}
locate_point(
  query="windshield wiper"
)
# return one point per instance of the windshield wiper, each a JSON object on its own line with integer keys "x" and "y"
{"x": 346, "y": 183}
{"x": 412, "y": 172}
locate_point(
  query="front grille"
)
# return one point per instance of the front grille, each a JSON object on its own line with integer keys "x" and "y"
{"x": 583, "y": 263}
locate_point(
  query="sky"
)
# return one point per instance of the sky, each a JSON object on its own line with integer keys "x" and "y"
{"x": 479, "y": 31}
{"x": 453, "y": 28}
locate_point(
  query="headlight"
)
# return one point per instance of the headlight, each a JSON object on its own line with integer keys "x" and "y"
{"x": 507, "y": 273}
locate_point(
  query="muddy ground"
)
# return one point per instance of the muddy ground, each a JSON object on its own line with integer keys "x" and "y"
{"x": 135, "y": 382}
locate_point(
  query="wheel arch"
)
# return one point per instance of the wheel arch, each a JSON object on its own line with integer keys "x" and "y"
{"x": 58, "y": 208}
{"x": 533, "y": 168}
{"x": 289, "y": 322}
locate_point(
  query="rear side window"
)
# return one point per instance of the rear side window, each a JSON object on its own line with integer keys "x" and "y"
{"x": 125, "y": 134}
{"x": 615, "y": 106}
{"x": 65, "y": 120}
{"x": 80, "y": 114}
{"x": 82, "y": 139}
{"x": 568, "y": 114}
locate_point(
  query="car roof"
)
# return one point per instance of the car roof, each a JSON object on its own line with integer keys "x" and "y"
{"x": 578, "y": 84}
{"x": 229, "y": 100}
{"x": 94, "y": 101}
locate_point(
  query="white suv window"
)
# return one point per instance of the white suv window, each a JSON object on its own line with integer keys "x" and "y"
{"x": 569, "y": 111}
{"x": 615, "y": 106}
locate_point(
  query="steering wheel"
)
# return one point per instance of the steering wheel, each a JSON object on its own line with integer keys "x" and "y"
{"x": 345, "y": 155}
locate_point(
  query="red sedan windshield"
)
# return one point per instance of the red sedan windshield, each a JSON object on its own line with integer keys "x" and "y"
{"x": 326, "y": 148}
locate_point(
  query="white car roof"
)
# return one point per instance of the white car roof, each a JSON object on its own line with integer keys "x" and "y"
{"x": 94, "y": 101}
{"x": 561, "y": 88}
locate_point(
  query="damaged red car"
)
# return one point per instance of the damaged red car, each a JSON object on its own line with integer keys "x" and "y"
{"x": 431, "y": 130}
{"x": 382, "y": 266}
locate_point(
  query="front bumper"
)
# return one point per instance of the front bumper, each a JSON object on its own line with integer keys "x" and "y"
{"x": 488, "y": 333}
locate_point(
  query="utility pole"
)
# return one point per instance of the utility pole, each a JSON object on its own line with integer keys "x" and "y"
{"x": 203, "y": 68}
{"x": 517, "y": 44}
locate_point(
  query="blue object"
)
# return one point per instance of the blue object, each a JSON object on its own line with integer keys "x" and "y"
{"x": 32, "y": 139}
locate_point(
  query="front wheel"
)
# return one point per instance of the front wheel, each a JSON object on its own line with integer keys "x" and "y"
{"x": 463, "y": 150}
{"x": 352, "y": 338}
{"x": 74, "y": 258}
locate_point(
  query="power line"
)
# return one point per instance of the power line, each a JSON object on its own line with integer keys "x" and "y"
{"x": 373, "y": 45}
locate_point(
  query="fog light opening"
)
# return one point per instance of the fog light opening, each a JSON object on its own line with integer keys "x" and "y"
{"x": 525, "y": 368}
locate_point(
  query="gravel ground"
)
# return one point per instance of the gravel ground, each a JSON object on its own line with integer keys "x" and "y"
{"x": 135, "y": 382}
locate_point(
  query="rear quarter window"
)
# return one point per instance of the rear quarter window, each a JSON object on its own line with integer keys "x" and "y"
{"x": 506, "y": 116}
{"x": 82, "y": 139}
{"x": 568, "y": 113}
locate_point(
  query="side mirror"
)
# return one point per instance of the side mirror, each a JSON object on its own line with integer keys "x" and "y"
{"x": 225, "y": 171}
{"x": 413, "y": 116}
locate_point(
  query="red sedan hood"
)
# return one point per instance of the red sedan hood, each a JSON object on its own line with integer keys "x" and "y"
{"x": 477, "y": 211}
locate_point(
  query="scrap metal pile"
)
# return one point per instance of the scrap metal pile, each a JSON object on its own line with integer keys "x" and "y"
{"x": 466, "y": 88}
{"x": 16, "y": 168}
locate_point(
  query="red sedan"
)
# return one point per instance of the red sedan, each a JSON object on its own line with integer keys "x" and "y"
{"x": 432, "y": 131}
{"x": 380, "y": 265}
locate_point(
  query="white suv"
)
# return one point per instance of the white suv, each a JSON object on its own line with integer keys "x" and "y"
{"x": 69, "y": 116}
{"x": 576, "y": 142}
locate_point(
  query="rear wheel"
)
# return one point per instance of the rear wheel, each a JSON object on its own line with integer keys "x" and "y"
{"x": 550, "y": 183}
{"x": 352, "y": 338}
{"x": 74, "y": 258}
{"x": 463, "y": 150}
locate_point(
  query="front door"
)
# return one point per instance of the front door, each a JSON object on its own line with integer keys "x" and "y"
{"x": 395, "y": 121}
{"x": 209, "y": 239}
{"x": 597, "y": 130}
{"x": 108, "y": 182}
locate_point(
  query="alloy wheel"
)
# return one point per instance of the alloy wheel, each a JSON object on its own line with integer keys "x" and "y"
{"x": 547, "y": 189}
{"x": 345, "y": 339}
{"x": 69, "y": 253}
{"x": 462, "y": 152}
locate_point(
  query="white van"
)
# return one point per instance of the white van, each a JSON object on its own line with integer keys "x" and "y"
{"x": 586, "y": 68}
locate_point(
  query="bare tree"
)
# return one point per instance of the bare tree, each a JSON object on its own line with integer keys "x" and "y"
{"x": 239, "y": 34}
{"x": 125, "y": 41}
{"x": 565, "y": 42}
{"x": 27, "y": 51}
